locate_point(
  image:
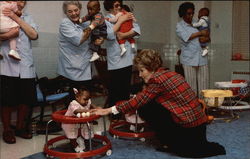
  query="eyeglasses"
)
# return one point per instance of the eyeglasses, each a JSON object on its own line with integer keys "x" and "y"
{"x": 117, "y": 5}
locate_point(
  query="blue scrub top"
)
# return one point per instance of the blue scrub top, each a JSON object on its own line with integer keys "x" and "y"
{"x": 114, "y": 58}
{"x": 191, "y": 51}
{"x": 24, "y": 68}
{"x": 73, "y": 57}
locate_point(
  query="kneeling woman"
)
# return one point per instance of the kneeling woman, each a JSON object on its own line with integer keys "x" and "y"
{"x": 170, "y": 107}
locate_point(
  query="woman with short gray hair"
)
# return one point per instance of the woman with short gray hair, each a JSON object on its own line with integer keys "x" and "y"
{"x": 66, "y": 3}
{"x": 74, "y": 52}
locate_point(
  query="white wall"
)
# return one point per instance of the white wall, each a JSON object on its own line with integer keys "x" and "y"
{"x": 48, "y": 14}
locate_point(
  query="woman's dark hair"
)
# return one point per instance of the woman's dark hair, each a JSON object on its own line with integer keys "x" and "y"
{"x": 108, "y": 4}
{"x": 80, "y": 90}
{"x": 184, "y": 7}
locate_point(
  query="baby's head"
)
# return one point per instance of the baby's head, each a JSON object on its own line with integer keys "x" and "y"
{"x": 93, "y": 7}
{"x": 126, "y": 8}
{"x": 82, "y": 95}
{"x": 203, "y": 12}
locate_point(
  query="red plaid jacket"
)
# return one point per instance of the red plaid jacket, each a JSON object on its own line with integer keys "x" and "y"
{"x": 174, "y": 93}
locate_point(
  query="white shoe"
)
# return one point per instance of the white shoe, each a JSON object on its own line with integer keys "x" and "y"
{"x": 133, "y": 45}
{"x": 123, "y": 51}
{"x": 132, "y": 128}
{"x": 134, "y": 49}
{"x": 94, "y": 57}
{"x": 142, "y": 129}
{"x": 81, "y": 143}
{"x": 13, "y": 54}
{"x": 78, "y": 149}
{"x": 204, "y": 53}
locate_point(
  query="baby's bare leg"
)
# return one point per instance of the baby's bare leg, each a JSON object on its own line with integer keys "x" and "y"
{"x": 13, "y": 44}
{"x": 204, "y": 39}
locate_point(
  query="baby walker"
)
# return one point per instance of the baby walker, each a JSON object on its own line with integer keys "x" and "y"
{"x": 237, "y": 87}
{"x": 123, "y": 128}
{"x": 214, "y": 99}
{"x": 58, "y": 116}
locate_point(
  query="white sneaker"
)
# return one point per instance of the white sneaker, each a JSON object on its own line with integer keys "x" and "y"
{"x": 204, "y": 53}
{"x": 81, "y": 143}
{"x": 13, "y": 54}
{"x": 134, "y": 49}
{"x": 142, "y": 129}
{"x": 132, "y": 128}
{"x": 123, "y": 49}
{"x": 78, "y": 149}
{"x": 94, "y": 57}
{"x": 133, "y": 45}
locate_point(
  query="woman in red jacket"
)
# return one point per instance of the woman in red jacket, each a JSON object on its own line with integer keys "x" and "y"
{"x": 170, "y": 107}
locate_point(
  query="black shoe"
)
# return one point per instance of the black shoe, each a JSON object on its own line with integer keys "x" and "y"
{"x": 162, "y": 148}
{"x": 23, "y": 134}
{"x": 206, "y": 150}
{"x": 94, "y": 122}
{"x": 9, "y": 137}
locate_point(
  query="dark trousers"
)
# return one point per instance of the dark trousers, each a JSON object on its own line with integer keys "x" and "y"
{"x": 119, "y": 85}
{"x": 100, "y": 31}
{"x": 17, "y": 94}
{"x": 186, "y": 142}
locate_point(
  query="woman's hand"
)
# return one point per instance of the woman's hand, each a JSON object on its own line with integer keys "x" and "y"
{"x": 99, "y": 41}
{"x": 9, "y": 13}
{"x": 125, "y": 17}
{"x": 86, "y": 34}
{"x": 204, "y": 39}
{"x": 122, "y": 19}
{"x": 101, "y": 111}
{"x": 199, "y": 34}
{"x": 204, "y": 32}
{"x": 126, "y": 35}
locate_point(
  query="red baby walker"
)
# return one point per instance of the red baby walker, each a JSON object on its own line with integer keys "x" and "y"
{"x": 58, "y": 116}
{"x": 120, "y": 129}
